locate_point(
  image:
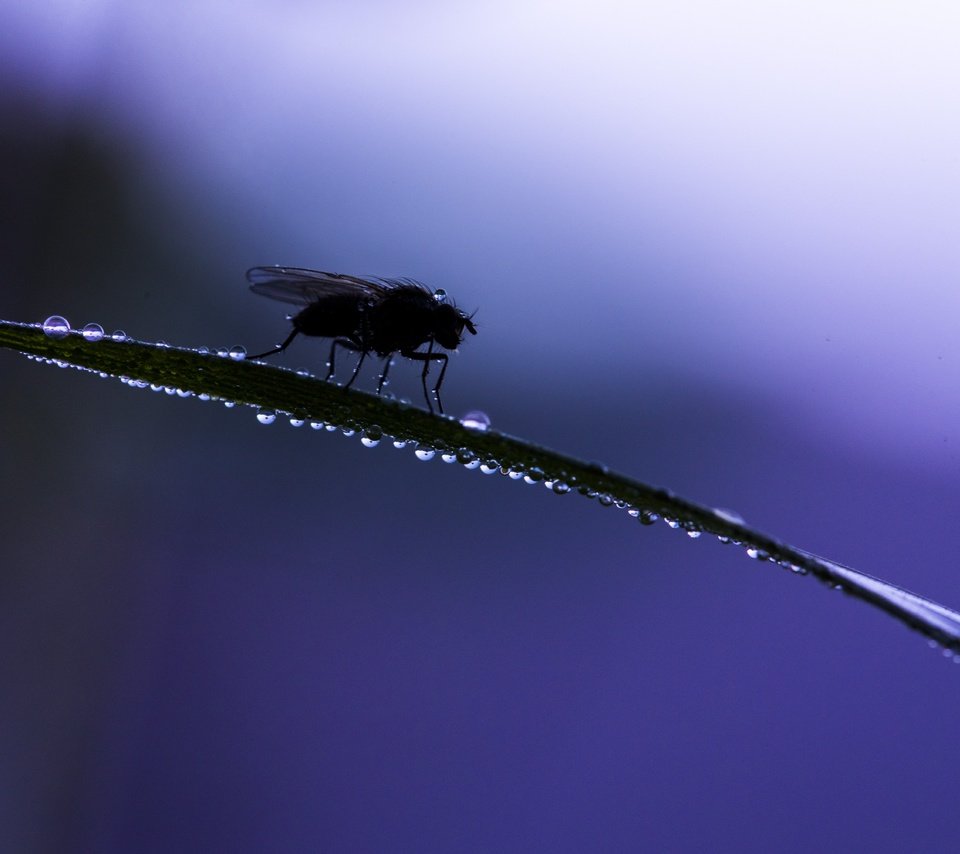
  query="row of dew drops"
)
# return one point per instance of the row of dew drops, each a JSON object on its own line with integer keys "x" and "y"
{"x": 57, "y": 327}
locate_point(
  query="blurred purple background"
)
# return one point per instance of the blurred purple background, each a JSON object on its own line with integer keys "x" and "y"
{"x": 713, "y": 245}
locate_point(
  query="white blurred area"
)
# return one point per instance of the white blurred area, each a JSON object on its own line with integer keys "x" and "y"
{"x": 763, "y": 196}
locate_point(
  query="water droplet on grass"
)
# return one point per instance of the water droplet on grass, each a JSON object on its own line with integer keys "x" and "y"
{"x": 92, "y": 332}
{"x": 118, "y": 335}
{"x": 535, "y": 475}
{"x": 237, "y": 353}
{"x": 56, "y": 326}
{"x": 371, "y": 437}
{"x": 560, "y": 488}
{"x": 425, "y": 454}
{"x": 730, "y": 516}
{"x": 266, "y": 416}
{"x": 476, "y": 420}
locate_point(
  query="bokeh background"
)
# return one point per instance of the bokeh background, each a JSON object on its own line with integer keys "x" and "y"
{"x": 713, "y": 245}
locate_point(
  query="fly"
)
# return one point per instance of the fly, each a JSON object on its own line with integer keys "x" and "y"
{"x": 367, "y": 315}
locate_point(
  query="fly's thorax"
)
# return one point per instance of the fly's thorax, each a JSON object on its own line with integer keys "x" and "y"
{"x": 333, "y": 317}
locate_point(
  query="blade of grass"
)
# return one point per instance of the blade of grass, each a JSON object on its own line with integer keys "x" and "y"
{"x": 269, "y": 388}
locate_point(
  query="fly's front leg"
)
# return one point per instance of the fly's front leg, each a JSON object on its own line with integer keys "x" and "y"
{"x": 427, "y": 358}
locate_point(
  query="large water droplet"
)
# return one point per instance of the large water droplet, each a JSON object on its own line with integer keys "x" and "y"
{"x": 489, "y": 467}
{"x": 730, "y": 516}
{"x": 92, "y": 332}
{"x": 266, "y": 416}
{"x": 476, "y": 420}
{"x": 560, "y": 488}
{"x": 56, "y": 326}
{"x": 425, "y": 454}
{"x": 118, "y": 335}
{"x": 297, "y": 422}
{"x": 440, "y": 295}
{"x": 237, "y": 353}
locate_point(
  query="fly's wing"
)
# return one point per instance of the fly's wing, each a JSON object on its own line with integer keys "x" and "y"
{"x": 298, "y": 286}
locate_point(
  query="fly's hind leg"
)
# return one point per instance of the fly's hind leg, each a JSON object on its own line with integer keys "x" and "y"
{"x": 280, "y": 347}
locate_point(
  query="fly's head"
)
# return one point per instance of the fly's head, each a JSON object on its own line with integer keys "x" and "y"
{"x": 449, "y": 324}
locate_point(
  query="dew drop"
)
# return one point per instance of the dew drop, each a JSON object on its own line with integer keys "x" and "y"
{"x": 465, "y": 456}
{"x": 118, "y": 335}
{"x": 399, "y": 443}
{"x": 730, "y": 516}
{"x": 693, "y": 533}
{"x": 489, "y": 467}
{"x": 647, "y": 518}
{"x": 229, "y": 404}
{"x": 605, "y": 500}
{"x": 535, "y": 475}
{"x": 371, "y": 436}
{"x": 673, "y": 523}
{"x": 440, "y": 295}
{"x": 330, "y": 428}
{"x": 560, "y": 488}
{"x": 425, "y": 454}
{"x": 266, "y": 416}
{"x": 92, "y": 332}
{"x": 448, "y": 457}
{"x": 56, "y": 326}
{"x": 476, "y": 420}
{"x": 297, "y": 422}
{"x": 471, "y": 465}
{"x": 348, "y": 431}
{"x": 316, "y": 425}
{"x": 237, "y": 353}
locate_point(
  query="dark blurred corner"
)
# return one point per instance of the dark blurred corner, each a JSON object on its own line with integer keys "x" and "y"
{"x": 91, "y": 230}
